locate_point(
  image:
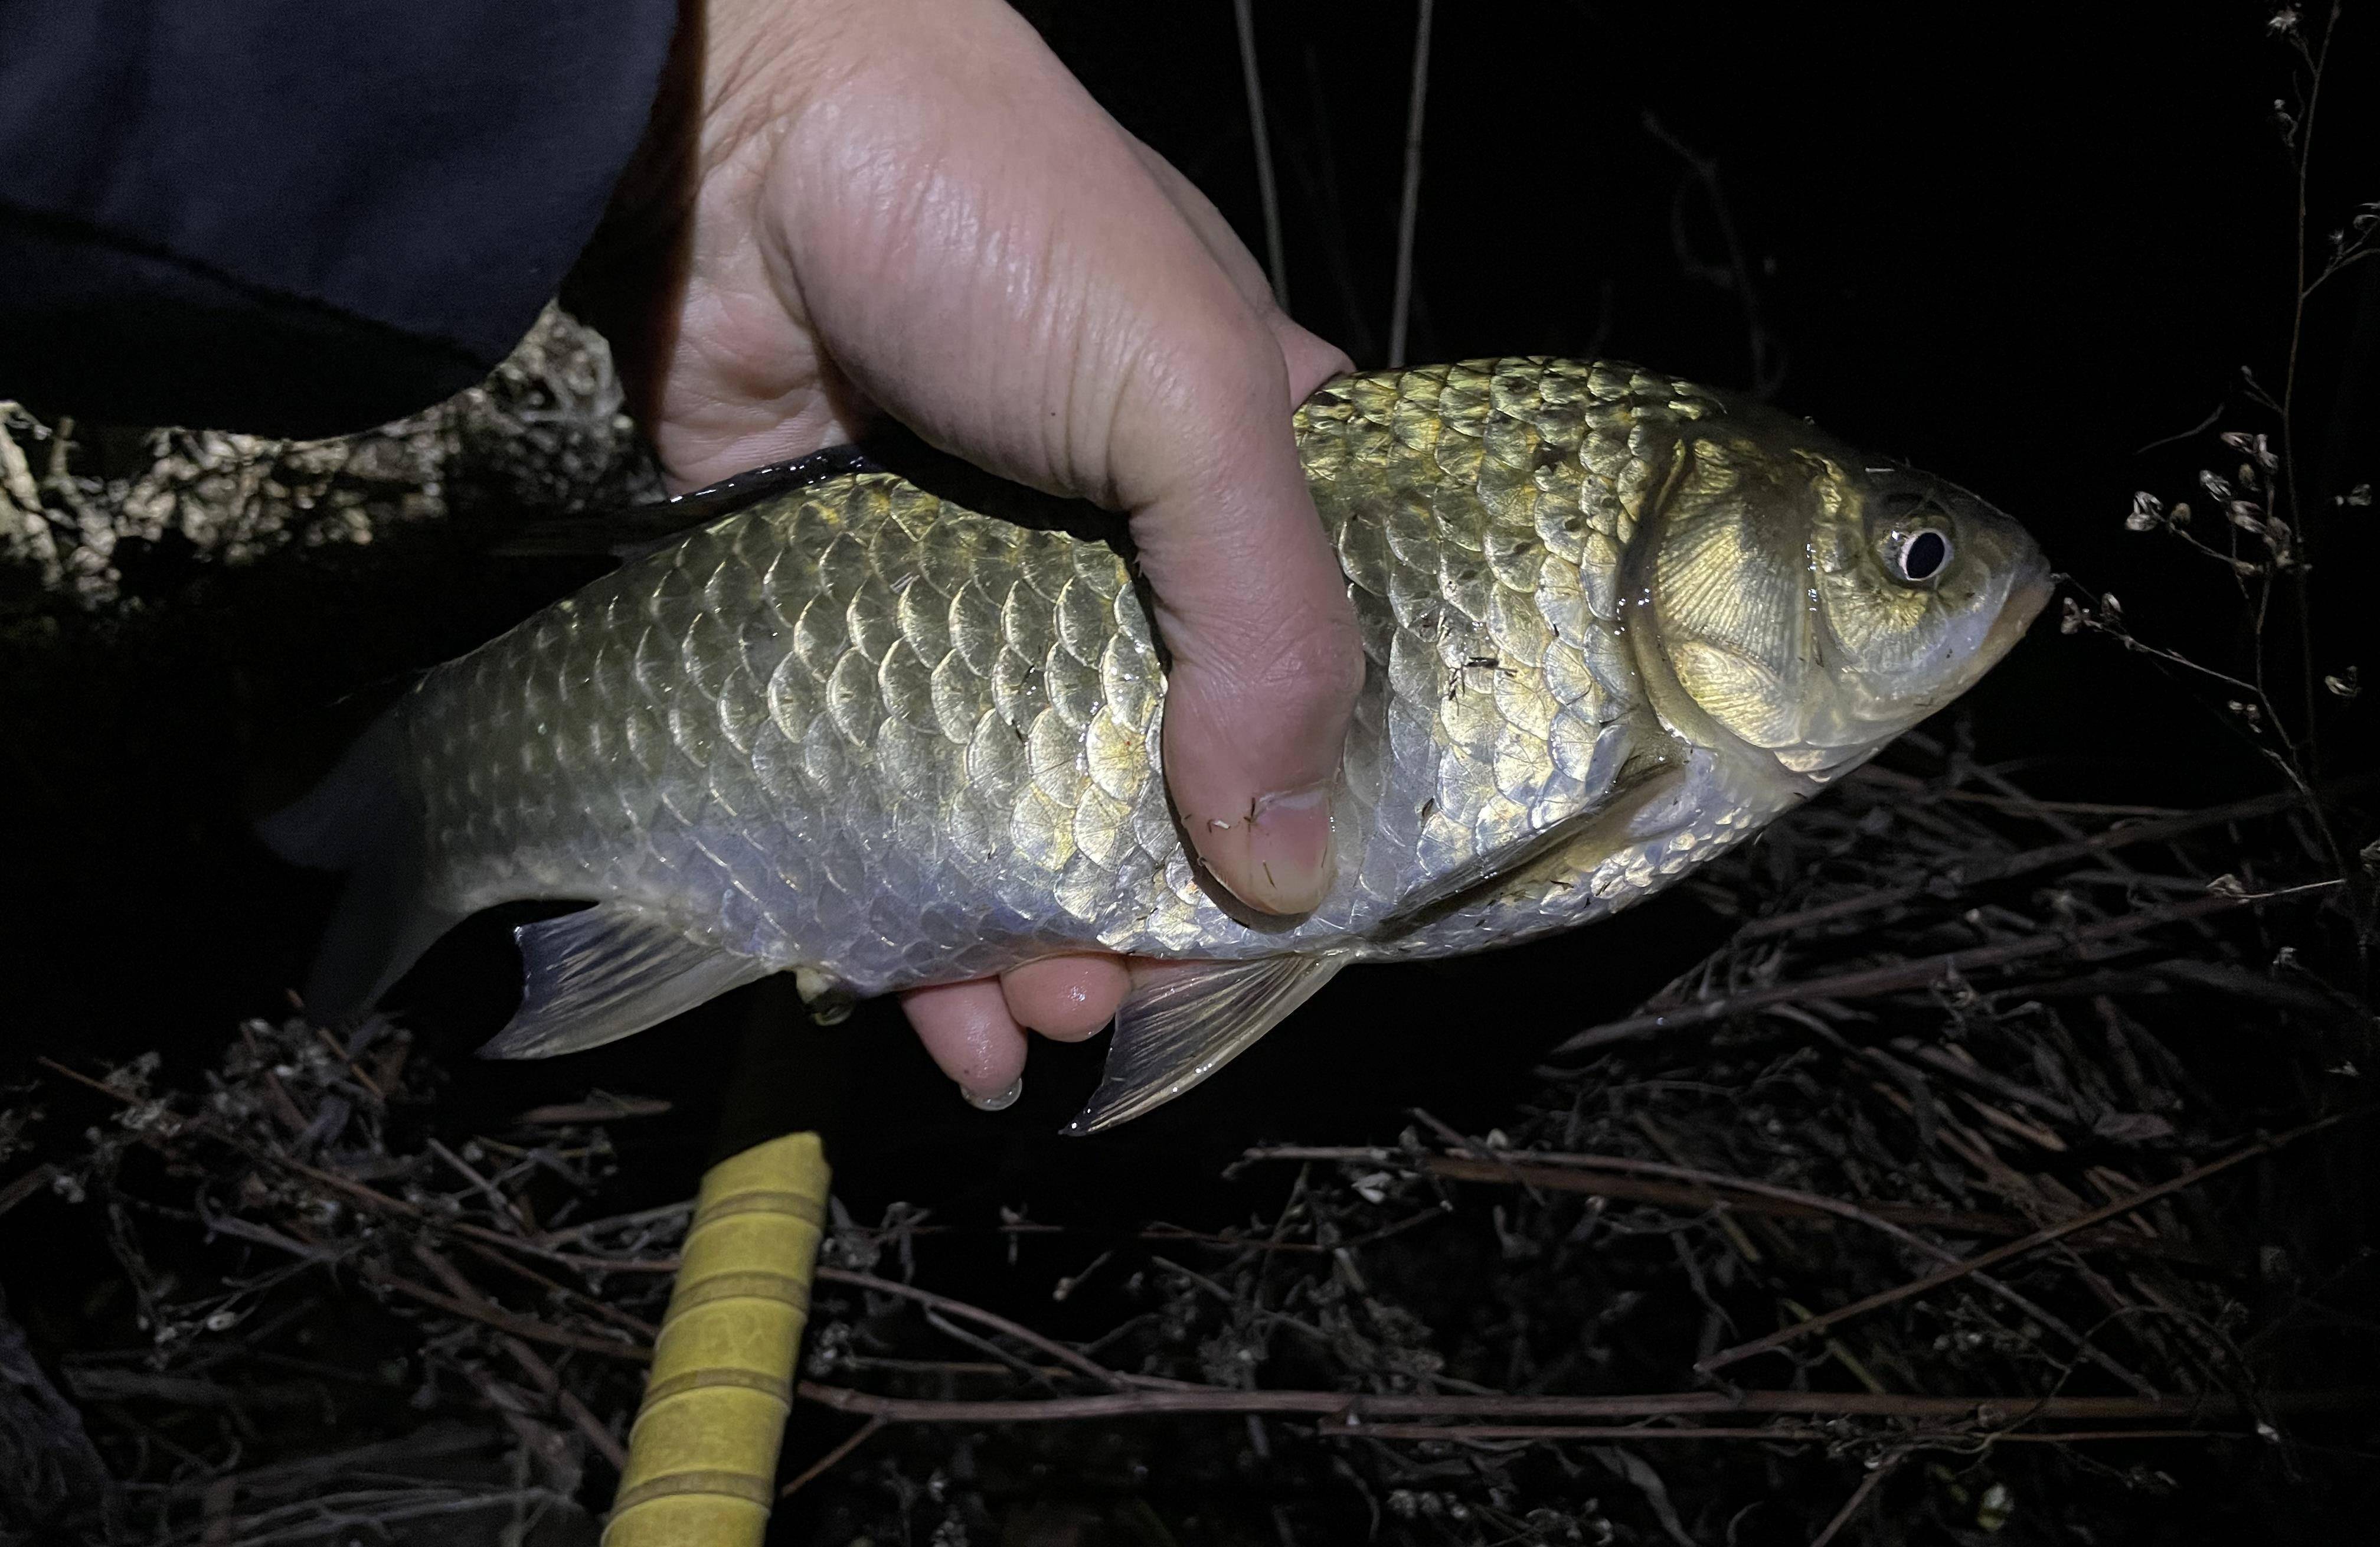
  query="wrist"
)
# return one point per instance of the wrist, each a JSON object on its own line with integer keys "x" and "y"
{"x": 735, "y": 75}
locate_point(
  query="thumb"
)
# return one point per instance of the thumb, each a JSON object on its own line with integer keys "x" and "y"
{"x": 1253, "y": 609}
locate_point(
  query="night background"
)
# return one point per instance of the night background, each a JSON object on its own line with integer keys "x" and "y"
{"x": 2031, "y": 249}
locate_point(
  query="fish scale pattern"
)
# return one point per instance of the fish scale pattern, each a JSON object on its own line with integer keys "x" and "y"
{"x": 857, "y": 729}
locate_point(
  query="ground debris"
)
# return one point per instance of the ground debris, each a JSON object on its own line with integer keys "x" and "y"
{"x": 1578, "y": 1328}
{"x": 99, "y": 515}
{"x": 287, "y": 1229}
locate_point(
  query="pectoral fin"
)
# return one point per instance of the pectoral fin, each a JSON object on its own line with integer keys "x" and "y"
{"x": 1611, "y": 822}
{"x": 609, "y": 973}
{"x": 1483, "y": 875}
{"x": 1190, "y": 1023}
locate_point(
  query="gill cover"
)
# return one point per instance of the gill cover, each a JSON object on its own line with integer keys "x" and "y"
{"x": 1814, "y": 607}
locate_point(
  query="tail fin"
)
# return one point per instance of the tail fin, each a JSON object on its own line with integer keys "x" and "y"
{"x": 365, "y": 819}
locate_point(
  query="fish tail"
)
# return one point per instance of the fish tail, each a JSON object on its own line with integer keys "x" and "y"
{"x": 365, "y": 819}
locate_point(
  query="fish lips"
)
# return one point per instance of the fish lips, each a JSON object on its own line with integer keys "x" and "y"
{"x": 2026, "y": 598}
{"x": 2029, "y": 586}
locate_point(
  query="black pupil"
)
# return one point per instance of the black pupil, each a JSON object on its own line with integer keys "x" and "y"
{"x": 1924, "y": 554}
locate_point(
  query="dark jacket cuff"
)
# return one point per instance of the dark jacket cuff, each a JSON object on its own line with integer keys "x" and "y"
{"x": 299, "y": 218}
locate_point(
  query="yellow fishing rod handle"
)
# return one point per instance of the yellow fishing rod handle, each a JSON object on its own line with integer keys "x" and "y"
{"x": 702, "y": 1457}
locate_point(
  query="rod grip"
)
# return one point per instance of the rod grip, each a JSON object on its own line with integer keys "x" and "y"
{"x": 702, "y": 1457}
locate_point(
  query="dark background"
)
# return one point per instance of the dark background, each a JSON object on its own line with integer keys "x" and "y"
{"x": 2012, "y": 245}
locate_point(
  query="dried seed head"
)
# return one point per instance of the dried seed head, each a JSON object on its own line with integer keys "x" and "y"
{"x": 2257, "y": 448}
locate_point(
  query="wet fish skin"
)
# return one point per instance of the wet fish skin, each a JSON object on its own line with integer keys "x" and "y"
{"x": 1612, "y": 623}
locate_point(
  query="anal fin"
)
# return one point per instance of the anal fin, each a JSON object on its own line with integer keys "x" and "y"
{"x": 608, "y": 972}
{"x": 1190, "y": 1023}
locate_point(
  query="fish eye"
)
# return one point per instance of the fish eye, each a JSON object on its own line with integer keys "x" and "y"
{"x": 1920, "y": 556}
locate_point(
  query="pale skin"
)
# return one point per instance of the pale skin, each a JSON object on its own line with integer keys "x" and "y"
{"x": 856, "y": 208}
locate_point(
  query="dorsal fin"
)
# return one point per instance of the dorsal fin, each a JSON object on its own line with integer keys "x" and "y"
{"x": 608, "y": 972}
{"x": 639, "y": 529}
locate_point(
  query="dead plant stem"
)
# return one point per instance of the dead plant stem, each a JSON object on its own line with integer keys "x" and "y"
{"x": 1997, "y": 1255}
{"x": 1921, "y": 973}
{"x": 1354, "y": 1409}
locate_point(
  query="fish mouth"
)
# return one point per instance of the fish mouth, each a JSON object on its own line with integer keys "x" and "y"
{"x": 2027, "y": 595}
{"x": 2029, "y": 592}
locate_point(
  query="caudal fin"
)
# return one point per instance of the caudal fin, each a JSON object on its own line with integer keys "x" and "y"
{"x": 365, "y": 819}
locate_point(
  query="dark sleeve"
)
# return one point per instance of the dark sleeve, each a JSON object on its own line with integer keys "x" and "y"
{"x": 299, "y": 216}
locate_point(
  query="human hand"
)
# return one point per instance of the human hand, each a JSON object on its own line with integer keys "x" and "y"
{"x": 910, "y": 207}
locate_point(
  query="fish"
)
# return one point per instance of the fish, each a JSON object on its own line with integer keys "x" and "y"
{"x": 881, "y": 736}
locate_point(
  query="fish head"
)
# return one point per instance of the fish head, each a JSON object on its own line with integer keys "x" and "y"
{"x": 1811, "y": 603}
